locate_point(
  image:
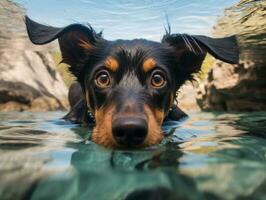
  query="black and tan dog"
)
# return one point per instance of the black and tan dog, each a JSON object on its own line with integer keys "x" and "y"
{"x": 129, "y": 86}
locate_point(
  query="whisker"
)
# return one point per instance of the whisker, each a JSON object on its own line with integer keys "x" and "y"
{"x": 193, "y": 50}
{"x": 187, "y": 45}
{"x": 197, "y": 44}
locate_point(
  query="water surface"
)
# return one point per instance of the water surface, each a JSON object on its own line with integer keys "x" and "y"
{"x": 208, "y": 156}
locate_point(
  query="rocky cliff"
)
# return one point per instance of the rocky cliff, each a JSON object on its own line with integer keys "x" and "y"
{"x": 239, "y": 87}
{"x": 28, "y": 77}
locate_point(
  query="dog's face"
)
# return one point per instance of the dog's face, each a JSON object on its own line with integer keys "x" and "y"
{"x": 130, "y": 85}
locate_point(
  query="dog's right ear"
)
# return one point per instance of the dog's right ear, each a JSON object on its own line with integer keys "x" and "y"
{"x": 75, "y": 40}
{"x": 192, "y": 49}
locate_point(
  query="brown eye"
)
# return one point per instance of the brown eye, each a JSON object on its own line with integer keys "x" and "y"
{"x": 158, "y": 80}
{"x": 102, "y": 79}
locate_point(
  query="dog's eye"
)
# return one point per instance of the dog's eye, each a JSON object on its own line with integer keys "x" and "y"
{"x": 102, "y": 79}
{"x": 158, "y": 80}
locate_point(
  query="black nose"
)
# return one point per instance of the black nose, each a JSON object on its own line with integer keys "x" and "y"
{"x": 129, "y": 131}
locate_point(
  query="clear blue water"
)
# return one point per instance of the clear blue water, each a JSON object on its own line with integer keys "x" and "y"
{"x": 208, "y": 156}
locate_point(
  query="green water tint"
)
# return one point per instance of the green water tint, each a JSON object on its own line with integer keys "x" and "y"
{"x": 208, "y": 156}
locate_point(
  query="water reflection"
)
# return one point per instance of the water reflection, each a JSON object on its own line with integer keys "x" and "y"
{"x": 208, "y": 156}
{"x": 120, "y": 175}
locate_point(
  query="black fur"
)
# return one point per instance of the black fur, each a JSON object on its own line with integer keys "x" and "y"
{"x": 177, "y": 56}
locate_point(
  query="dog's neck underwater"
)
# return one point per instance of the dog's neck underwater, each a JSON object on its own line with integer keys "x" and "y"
{"x": 129, "y": 86}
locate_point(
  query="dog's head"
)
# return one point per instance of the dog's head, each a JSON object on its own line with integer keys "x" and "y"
{"x": 130, "y": 85}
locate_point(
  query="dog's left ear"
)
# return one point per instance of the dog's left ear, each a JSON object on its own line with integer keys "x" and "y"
{"x": 75, "y": 41}
{"x": 191, "y": 50}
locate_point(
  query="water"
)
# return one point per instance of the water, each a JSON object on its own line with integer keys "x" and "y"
{"x": 208, "y": 156}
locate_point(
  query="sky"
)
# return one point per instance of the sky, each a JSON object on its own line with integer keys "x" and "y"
{"x": 128, "y": 19}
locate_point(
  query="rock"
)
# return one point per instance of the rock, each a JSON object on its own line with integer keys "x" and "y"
{"x": 240, "y": 87}
{"x": 28, "y": 77}
{"x": 186, "y": 97}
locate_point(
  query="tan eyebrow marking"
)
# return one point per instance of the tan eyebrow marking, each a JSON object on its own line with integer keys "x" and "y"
{"x": 85, "y": 44}
{"x": 111, "y": 64}
{"x": 149, "y": 64}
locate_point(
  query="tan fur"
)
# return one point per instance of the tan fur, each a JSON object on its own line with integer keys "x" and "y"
{"x": 102, "y": 132}
{"x": 149, "y": 64}
{"x": 159, "y": 116}
{"x": 85, "y": 44}
{"x": 111, "y": 64}
{"x": 155, "y": 132}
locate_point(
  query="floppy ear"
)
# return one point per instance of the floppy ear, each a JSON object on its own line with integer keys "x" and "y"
{"x": 191, "y": 50}
{"x": 75, "y": 41}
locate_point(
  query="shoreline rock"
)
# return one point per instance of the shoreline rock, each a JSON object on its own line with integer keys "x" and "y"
{"x": 240, "y": 87}
{"x": 28, "y": 77}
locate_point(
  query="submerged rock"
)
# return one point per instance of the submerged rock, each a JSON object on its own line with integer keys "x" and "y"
{"x": 28, "y": 77}
{"x": 239, "y": 87}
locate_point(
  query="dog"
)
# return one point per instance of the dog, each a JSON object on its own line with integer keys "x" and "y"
{"x": 128, "y": 87}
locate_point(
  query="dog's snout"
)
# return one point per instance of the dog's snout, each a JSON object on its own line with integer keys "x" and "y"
{"x": 130, "y": 131}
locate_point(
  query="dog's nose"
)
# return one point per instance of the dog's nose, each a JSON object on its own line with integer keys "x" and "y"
{"x": 130, "y": 131}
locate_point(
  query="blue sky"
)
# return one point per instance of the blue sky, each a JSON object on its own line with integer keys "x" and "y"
{"x": 127, "y": 19}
